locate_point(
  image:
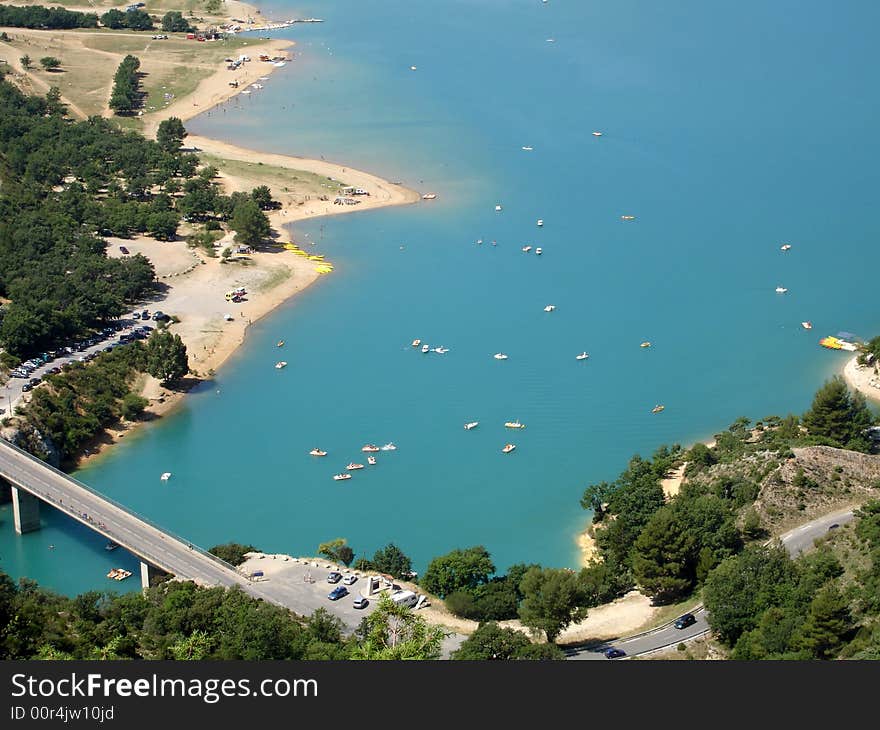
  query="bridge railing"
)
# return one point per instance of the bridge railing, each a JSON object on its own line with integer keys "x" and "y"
{"x": 118, "y": 505}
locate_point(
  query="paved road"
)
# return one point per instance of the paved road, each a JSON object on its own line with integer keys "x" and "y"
{"x": 795, "y": 541}
{"x": 11, "y": 393}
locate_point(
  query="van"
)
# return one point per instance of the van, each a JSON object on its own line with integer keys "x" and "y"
{"x": 404, "y": 598}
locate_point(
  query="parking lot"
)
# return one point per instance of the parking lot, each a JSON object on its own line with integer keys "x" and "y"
{"x": 29, "y": 374}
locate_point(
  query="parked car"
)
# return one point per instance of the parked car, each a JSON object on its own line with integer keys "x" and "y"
{"x": 334, "y": 577}
{"x": 337, "y": 593}
{"x": 26, "y": 387}
{"x": 360, "y": 603}
{"x": 53, "y": 371}
{"x": 145, "y": 314}
{"x": 123, "y": 249}
{"x": 612, "y": 652}
{"x": 136, "y": 315}
{"x": 682, "y": 622}
{"x": 833, "y": 527}
{"x": 35, "y": 381}
{"x": 349, "y": 579}
{"x": 160, "y": 317}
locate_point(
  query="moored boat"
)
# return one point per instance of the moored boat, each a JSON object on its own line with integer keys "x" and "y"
{"x": 785, "y": 247}
{"x": 472, "y": 424}
{"x": 499, "y": 356}
{"x": 508, "y": 448}
{"x": 540, "y": 223}
{"x": 371, "y": 460}
{"x": 582, "y": 356}
{"x": 280, "y": 364}
{"x": 353, "y": 466}
{"x": 389, "y": 447}
{"x": 526, "y": 249}
{"x": 370, "y": 448}
{"x": 807, "y": 325}
{"x": 110, "y": 546}
{"x": 549, "y": 307}
{"x": 165, "y": 476}
{"x": 657, "y": 408}
{"x": 426, "y": 348}
{"x": 645, "y": 344}
{"x": 781, "y": 290}
{"x": 341, "y": 477}
{"x": 416, "y": 343}
{"x": 514, "y": 424}
{"x": 280, "y": 343}
{"x": 539, "y": 251}
{"x": 317, "y": 452}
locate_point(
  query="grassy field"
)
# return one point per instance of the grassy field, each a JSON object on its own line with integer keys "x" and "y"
{"x": 278, "y": 179}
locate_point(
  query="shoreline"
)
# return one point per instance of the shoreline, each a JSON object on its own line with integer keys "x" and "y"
{"x": 859, "y": 377}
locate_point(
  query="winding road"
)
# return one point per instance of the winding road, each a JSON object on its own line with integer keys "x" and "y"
{"x": 796, "y": 541}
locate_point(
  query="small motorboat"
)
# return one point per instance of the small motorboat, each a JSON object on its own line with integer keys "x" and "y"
{"x": 429, "y": 196}
{"x": 416, "y": 343}
{"x": 389, "y": 447}
{"x": 112, "y": 573}
{"x": 807, "y": 325}
{"x": 657, "y": 408}
{"x": 539, "y": 251}
{"x": 441, "y": 350}
{"x": 498, "y": 208}
{"x": 627, "y": 217}
{"x": 472, "y": 424}
{"x": 785, "y": 247}
{"x": 645, "y": 344}
{"x": 353, "y": 466}
{"x": 508, "y": 448}
{"x": 781, "y": 290}
{"x": 412, "y": 68}
{"x": 514, "y": 424}
{"x": 597, "y": 134}
{"x": 165, "y": 476}
{"x": 370, "y": 449}
{"x": 341, "y": 477}
{"x": 426, "y": 348}
{"x": 528, "y": 149}
{"x": 371, "y": 460}
{"x": 280, "y": 364}
{"x": 110, "y": 546}
{"x": 582, "y": 356}
{"x": 526, "y": 249}
{"x": 549, "y": 307}
{"x": 280, "y": 343}
{"x": 540, "y": 222}
{"x": 122, "y": 574}
{"x": 499, "y": 356}
{"x": 317, "y": 452}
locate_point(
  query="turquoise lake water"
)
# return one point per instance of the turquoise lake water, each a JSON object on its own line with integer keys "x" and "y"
{"x": 727, "y": 131}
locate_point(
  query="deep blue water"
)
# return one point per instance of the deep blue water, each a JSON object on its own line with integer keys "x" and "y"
{"x": 727, "y": 131}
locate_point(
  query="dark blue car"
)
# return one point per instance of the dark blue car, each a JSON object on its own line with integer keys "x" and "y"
{"x": 613, "y": 652}
{"x": 337, "y": 593}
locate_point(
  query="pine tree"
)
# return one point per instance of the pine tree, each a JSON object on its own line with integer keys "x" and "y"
{"x": 837, "y": 416}
{"x": 827, "y": 623}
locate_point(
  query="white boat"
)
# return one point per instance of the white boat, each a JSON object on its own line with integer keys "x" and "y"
{"x": 279, "y": 64}
{"x": 441, "y": 350}
{"x": 341, "y": 477}
{"x": 353, "y": 466}
{"x": 429, "y": 196}
{"x": 426, "y": 348}
{"x": 785, "y": 247}
{"x": 657, "y": 408}
{"x": 582, "y": 356}
{"x": 500, "y": 356}
{"x": 110, "y": 546}
{"x": 781, "y": 290}
{"x": 508, "y": 448}
{"x": 165, "y": 476}
{"x": 627, "y": 217}
{"x": 371, "y": 460}
{"x": 497, "y": 207}
{"x": 597, "y": 134}
{"x": 317, "y": 452}
{"x": 514, "y": 424}
{"x": 416, "y": 343}
{"x": 645, "y": 344}
{"x": 526, "y": 249}
{"x": 540, "y": 222}
{"x": 807, "y": 325}
{"x": 528, "y": 149}
{"x": 280, "y": 364}
{"x": 370, "y": 449}
{"x": 539, "y": 251}
{"x": 472, "y": 424}
{"x": 389, "y": 447}
{"x": 412, "y": 68}
{"x": 549, "y": 307}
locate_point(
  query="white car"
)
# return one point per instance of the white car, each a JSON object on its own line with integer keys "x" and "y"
{"x": 349, "y": 579}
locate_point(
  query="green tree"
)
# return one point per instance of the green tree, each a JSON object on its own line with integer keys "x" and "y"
{"x": 389, "y": 559}
{"x": 663, "y": 558}
{"x": 250, "y": 224}
{"x": 170, "y": 134}
{"x": 262, "y": 196}
{"x": 553, "y": 599}
{"x": 114, "y": 19}
{"x": 132, "y": 406}
{"x": 233, "y": 553}
{"x": 138, "y": 20}
{"x": 195, "y": 647}
{"x": 827, "y": 624}
{"x": 174, "y": 22}
{"x": 458, "y": 570}
{"x": 491, "y": 641}
{"x": 596, "y": 497}
{"x": 839, "y": 417}
{"x": 25, "y": 61}
{"x": 337, "y": 550}
{"x": 50, "y": 63}
{"x": 166, "y": 357}
{"x": 395, "y": 632}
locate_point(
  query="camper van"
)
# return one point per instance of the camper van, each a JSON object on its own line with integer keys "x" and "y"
{"x": 404, "y": 598}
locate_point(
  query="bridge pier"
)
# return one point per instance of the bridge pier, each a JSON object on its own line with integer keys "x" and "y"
{"x": 26, "y": 511}
{"x": 146, "y": 572}
{"x": 5, "y": 491}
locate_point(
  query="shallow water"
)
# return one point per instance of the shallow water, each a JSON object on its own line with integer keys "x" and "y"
{"x": 726, "y": 132}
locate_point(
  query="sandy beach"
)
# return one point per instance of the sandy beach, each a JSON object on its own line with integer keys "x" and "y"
{"x": 859, "y": 378}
